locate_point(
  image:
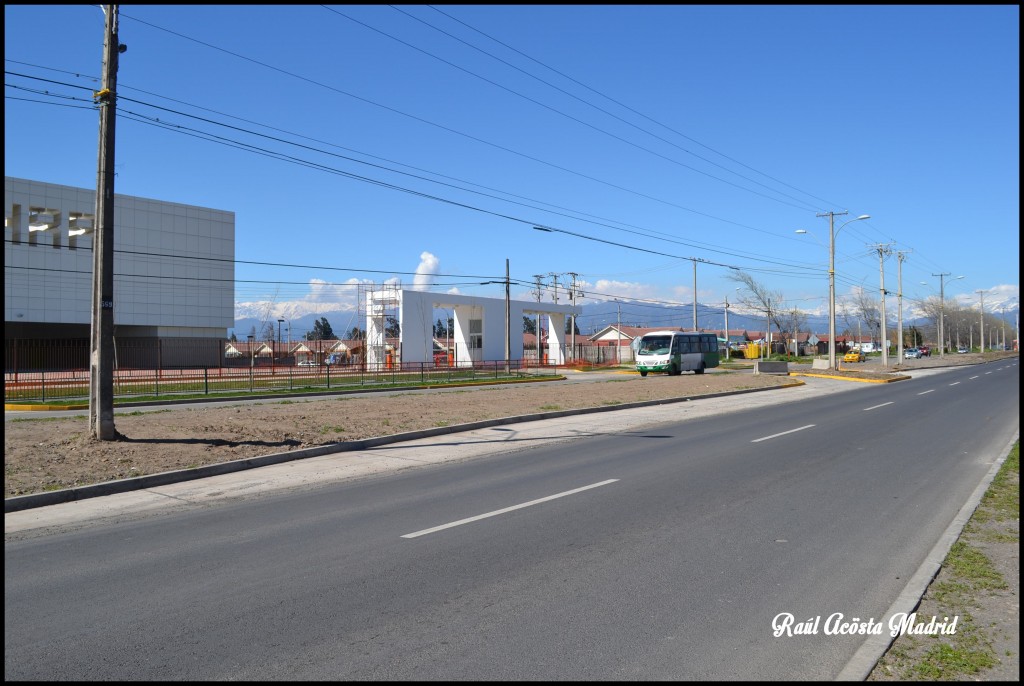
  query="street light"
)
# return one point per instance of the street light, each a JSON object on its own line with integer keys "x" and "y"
{"x": 832, "y": 279}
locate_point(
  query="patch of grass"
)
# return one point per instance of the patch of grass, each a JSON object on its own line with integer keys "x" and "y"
{"x": 441, "y": 424}
{"x": 335, "y": 429}
{"x": 79, "y": 417}
{"x": 551, "y": 407}
{"x": 612, "y": 402}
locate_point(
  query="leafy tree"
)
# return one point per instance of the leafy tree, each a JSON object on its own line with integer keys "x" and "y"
{"x": 234, "y": 338}
{"x": 356, "y": 334}
{"x": 321, "y": 331}
{"x": 529, "y": 325}
{"x": 391, "y": 329}
{"x": 569, "y": 324}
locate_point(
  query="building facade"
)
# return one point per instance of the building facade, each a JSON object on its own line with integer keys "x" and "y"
{"x": 173, "y": 268}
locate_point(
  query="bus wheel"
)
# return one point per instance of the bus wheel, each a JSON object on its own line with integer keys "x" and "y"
{"x": 643, "y": 372}
{"x": 700, "y": 369}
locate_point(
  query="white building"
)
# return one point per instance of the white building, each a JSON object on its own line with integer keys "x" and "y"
{"x": 479, "y": 332}
{"x": 173, "y": 266}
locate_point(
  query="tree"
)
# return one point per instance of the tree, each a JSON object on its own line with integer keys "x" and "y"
{"x": 268, "y": 332}
{"x": 569, "y": 324}
{"x": 443, "y": 330}
{"x": 529, "y": 325}
{"x": 234, "y": 338}
{"x": 759, "y": 298}
{"x": 391, "y": 329}
{"x": 321, "y": 331}
{"x": 356, "y": 334}
{"x": 252, "y": 332}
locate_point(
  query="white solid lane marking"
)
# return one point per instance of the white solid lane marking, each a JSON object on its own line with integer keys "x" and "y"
{"x": 928, "y": 391}
{"x": 758, "y": 440}
{"x": 507, "y": 509}
{"x": 954, "y": 383}
{"x": 973, "y": 377}
{"x": 875, "y": 407}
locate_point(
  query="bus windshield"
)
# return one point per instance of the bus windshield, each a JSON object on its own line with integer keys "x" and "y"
{"x": 655, "y": 345}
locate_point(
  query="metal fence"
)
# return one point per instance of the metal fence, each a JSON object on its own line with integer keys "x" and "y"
{"x": 57, "y": 372}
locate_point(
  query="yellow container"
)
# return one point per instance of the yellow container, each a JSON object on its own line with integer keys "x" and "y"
{"x": 753, "y": 351}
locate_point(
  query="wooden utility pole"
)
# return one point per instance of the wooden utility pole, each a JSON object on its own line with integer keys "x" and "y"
{"x": 101, "y": 360}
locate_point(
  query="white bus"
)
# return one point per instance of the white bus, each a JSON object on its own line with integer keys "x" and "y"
{"x": 675, "y": 352}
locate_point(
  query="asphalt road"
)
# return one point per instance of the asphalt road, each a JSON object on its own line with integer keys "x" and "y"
{"x": 602, "y": 551}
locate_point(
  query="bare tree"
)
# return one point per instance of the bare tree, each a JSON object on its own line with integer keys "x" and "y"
{"x": 791, "y": 321}
{"x": 868, "y": 310}
{"x": 759, "y": 298}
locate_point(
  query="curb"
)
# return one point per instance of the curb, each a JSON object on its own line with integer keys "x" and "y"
{"x": 33, "y": 500}
{"x": 848, "y": 378}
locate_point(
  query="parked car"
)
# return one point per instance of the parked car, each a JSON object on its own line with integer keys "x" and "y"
{"x": 854, "y": 355}
{"x": 307, "y": 363}
{"x": 962, "y": 349}
{"x": 925, "y": 351}
{"x": 912, "y": 354}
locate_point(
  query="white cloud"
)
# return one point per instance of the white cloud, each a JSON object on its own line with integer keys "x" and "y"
{"x": 425, "y": 272}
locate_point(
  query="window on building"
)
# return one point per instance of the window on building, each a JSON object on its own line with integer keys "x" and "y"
{"x": 476, "y": 334}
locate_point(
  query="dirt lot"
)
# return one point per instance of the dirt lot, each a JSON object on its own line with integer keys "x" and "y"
{"x": 53, "y": 453}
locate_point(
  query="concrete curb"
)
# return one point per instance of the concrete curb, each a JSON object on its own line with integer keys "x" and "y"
{"x": 33, "y": 500}
{"x": 847, "y": 378}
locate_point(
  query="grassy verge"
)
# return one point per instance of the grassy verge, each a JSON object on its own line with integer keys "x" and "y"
{"x": 973, "y": 584}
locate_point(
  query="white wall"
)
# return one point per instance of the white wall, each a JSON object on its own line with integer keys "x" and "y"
{"x": 48, "y": 274}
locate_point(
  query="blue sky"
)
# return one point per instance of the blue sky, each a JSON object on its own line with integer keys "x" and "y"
{"x": 434, "y": 138}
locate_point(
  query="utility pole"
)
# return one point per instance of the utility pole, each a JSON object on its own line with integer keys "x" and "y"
{"x": 695, "y": 294}
{"x": 572, "y": 298}
{"x": 883, "y": 249}
{"x": 101, "y": 359}
{"x": 508, "y": 323}
{"x": 538, "y": 294}
{"x": 982, "y": 294}
{"x": 942, "y": 312}
{"x": 900, "y": 256}
{"x": 618, "y": 332}
{"x": 726, "y": 328}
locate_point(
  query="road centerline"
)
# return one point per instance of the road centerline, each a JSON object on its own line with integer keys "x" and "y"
{"x": 494, "y": 513}
{"x": 875, "y": 407}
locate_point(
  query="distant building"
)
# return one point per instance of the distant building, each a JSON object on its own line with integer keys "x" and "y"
{"x": 173, "y": 269}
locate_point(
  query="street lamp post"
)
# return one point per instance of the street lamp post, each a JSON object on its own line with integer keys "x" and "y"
{"x": 832, "y": 279}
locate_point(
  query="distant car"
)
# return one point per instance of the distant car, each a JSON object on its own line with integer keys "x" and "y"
{"x": 307, "y": 363}
{"x": 962, "y": 349}
{"x": 854, "y": 355}
{"x": 912, "y": 354}
{"x": 925, "y": 351}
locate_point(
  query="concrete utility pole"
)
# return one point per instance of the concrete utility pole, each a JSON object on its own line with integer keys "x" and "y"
{"x": 101, "y": 360}
{"x": 727, "y": 328}
{"x": 572, "y": 298}
{"x": 982, "y": 294}
{"x": 883, "y": 249}
{"x": 694, "y": 294}
{"x": 508, "y": 324}
{"x": 942, "y": 312}
{"x": 538, "y": 294}
{"x": 900, "y": 256}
